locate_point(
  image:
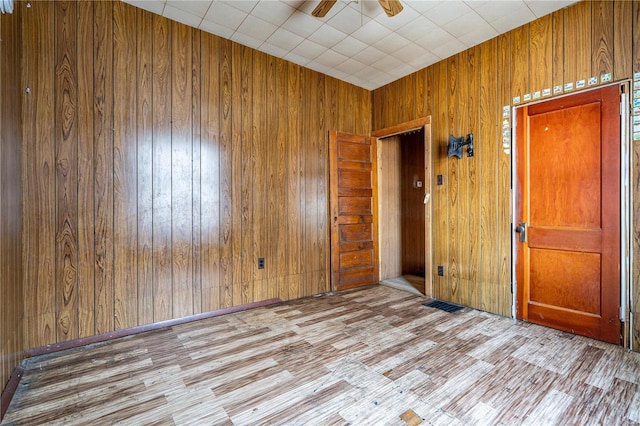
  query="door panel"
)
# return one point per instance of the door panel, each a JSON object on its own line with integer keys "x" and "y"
{"x": 353, "y": 233}
{"x": 568, "y": 194}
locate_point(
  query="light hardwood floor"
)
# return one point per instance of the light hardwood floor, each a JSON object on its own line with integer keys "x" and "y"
{"x": 362, "y": 357}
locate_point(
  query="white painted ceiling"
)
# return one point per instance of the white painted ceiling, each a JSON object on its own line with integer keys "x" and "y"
{"x": 356, "y": 42}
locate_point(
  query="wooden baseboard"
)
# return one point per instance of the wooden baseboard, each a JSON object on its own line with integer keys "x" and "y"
{"x": 143, "y": 329}
{"x": 12, "y": 385}
{"x": 9, "y": 390}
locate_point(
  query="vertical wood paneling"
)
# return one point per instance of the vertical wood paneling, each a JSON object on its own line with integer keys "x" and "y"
{"x": 602, "y": 39}
{"x": 557, "y": 47}
{"x": 259, "y": 182}
{"x": 236, "y": 173}
{"x": 453, "y": 180}
{"x": 12, "y": 214}
{"x": 293, "y": 171}
{"x": 210, "y": 174}
{"x": 474, "y": 184}
{"x": 248, "y": 262}
{"x": 541, "y": 55}
{"x": 226, "y": 223}
{"x": 440, "y": 196}
{"x": 577, "y": 42}
{"x": 144, "y": 135}
{"x": 66, "y": 151}
{"x": 487, "y": 159}
{"x": 520, "y": 62}
{"x": 504, "y": 178}
{"x": 281, "y": 182}
{"x": 464, "y": 237}
{"x": 308, "y": 200}
{"x": 103, "y": 160}
{"x": 86, "y": 200}
{"x": 196, "y": 180}
{"x": 125, "y": 220}
{"x": 181, "y": 170}
{"x": 622, "y": 39}
{"x": 39, "y": 177}
{"x": 162, "y": 191}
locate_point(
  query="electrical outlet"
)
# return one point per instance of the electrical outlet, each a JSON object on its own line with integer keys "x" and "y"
{"x": 261, "y": 263}
{"x": 440, "y": 271}
{"x": 439, "y": 179}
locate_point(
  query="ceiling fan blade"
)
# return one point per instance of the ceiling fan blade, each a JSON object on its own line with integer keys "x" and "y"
{"x": 391, "y": 7}
{"x": 321, "y": 9}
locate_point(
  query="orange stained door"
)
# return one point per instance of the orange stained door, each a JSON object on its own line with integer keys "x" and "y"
{"x": 568, "y": 214}
{"x": 353, "y": 210}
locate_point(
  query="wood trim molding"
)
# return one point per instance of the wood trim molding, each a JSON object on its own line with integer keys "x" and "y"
{"x": 9, "y": 390}
{"x": 144, "y": 328}
{"x": 402, "y": 128}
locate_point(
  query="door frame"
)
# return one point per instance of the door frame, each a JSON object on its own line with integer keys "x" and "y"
{"x": 423, "y": 124}
{"x": 626, "y": 210}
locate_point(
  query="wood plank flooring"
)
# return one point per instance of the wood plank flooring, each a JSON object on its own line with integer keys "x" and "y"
{"x": 361, "y": 357}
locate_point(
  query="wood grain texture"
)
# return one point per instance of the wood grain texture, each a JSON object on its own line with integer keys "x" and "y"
{"x": 12, "y": 214}
{"x": 622, "y": 39}
{"x": 453, "y": 181}
{"x": 390, "y": 207}
{"x": 86, "y": 172}
{"x": 168, "y": 160}
{"x": 125, "y": 188}
{"x": 577, "y": 42}
{"x": 520, "y": 62}
{"x": 540, "y": 54}
{"x": 602, "y": 37}
{"x": 367, "y": 366}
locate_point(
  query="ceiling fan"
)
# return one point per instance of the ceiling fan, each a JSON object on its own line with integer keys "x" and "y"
{"x": 391, "y": 7}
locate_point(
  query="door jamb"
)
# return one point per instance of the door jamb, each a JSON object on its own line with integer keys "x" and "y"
{"x": 423, "y": 123}
{"x": 626, "y": 211}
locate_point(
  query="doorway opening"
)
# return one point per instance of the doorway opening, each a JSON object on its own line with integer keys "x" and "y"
{"x": 404, "y": 210}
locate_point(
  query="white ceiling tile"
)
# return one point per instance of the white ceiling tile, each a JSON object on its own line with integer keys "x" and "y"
{"x": 401, "y": 19}
{"x": 349, "y": 46}
{"x": 544, "y": 7}
{"x": 370, "y": 8}
{"x": 449, "y": 49}
{"x": 327, "y": 36}
{"x": 284, "y": 39}
{"x": 297, "y": 59}
{"x": 350, "y": 66}
{"x": 302, "y": 24}
{"x": 308, "y": 49}
{"x": 317, "y": 66}
{"x": 213, "y": 28}
{"x": 435, "y": 38}
{"x": 478, "y": 35}
{"x": 274, "y": 12}
{"x": 273, "y": 50}
{"x": 463, "y": 24}
{"x": 256, "y": 28}
{"x": 409, "y": 52}
{"x": 403, "y": 70}
{"x": 370, "y": 55}
{"x": 424, "y": 60}
{"x": 243, "y": 5}
{"x": 194, "y": 7}
{"x": 417, "y": 28}
{"x": 371, "y": 32}
{"x": 422, "y": 6}
{"x": 513, "y": 20}
{"x": 181, "y": 16}
{"x": 391, "y": 43}
{"x": 348, "y": 20}
{"x": 225, "y": 15}
{"x": 154, "y": 6}
{"x": 494, "y": 10}
{"x": 246, "y": 40}
{"x": 339, "y": 74}
{"x": 331, "y": 59}
{"x": 447, "y": 11}
{"x": 387, "y": 63}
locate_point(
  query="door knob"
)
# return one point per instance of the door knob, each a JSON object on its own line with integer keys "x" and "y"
{"x": 522, "y": 230}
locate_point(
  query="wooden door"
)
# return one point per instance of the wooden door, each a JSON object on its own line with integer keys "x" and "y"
{"x": 354, "y": 250}
{"x": 568, "y": 194}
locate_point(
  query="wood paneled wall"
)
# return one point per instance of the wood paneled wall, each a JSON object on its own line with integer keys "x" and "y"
{"x": 466, "y": 93}
{"x": 11, "y": 324}
{"x": 160, "y": 163}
